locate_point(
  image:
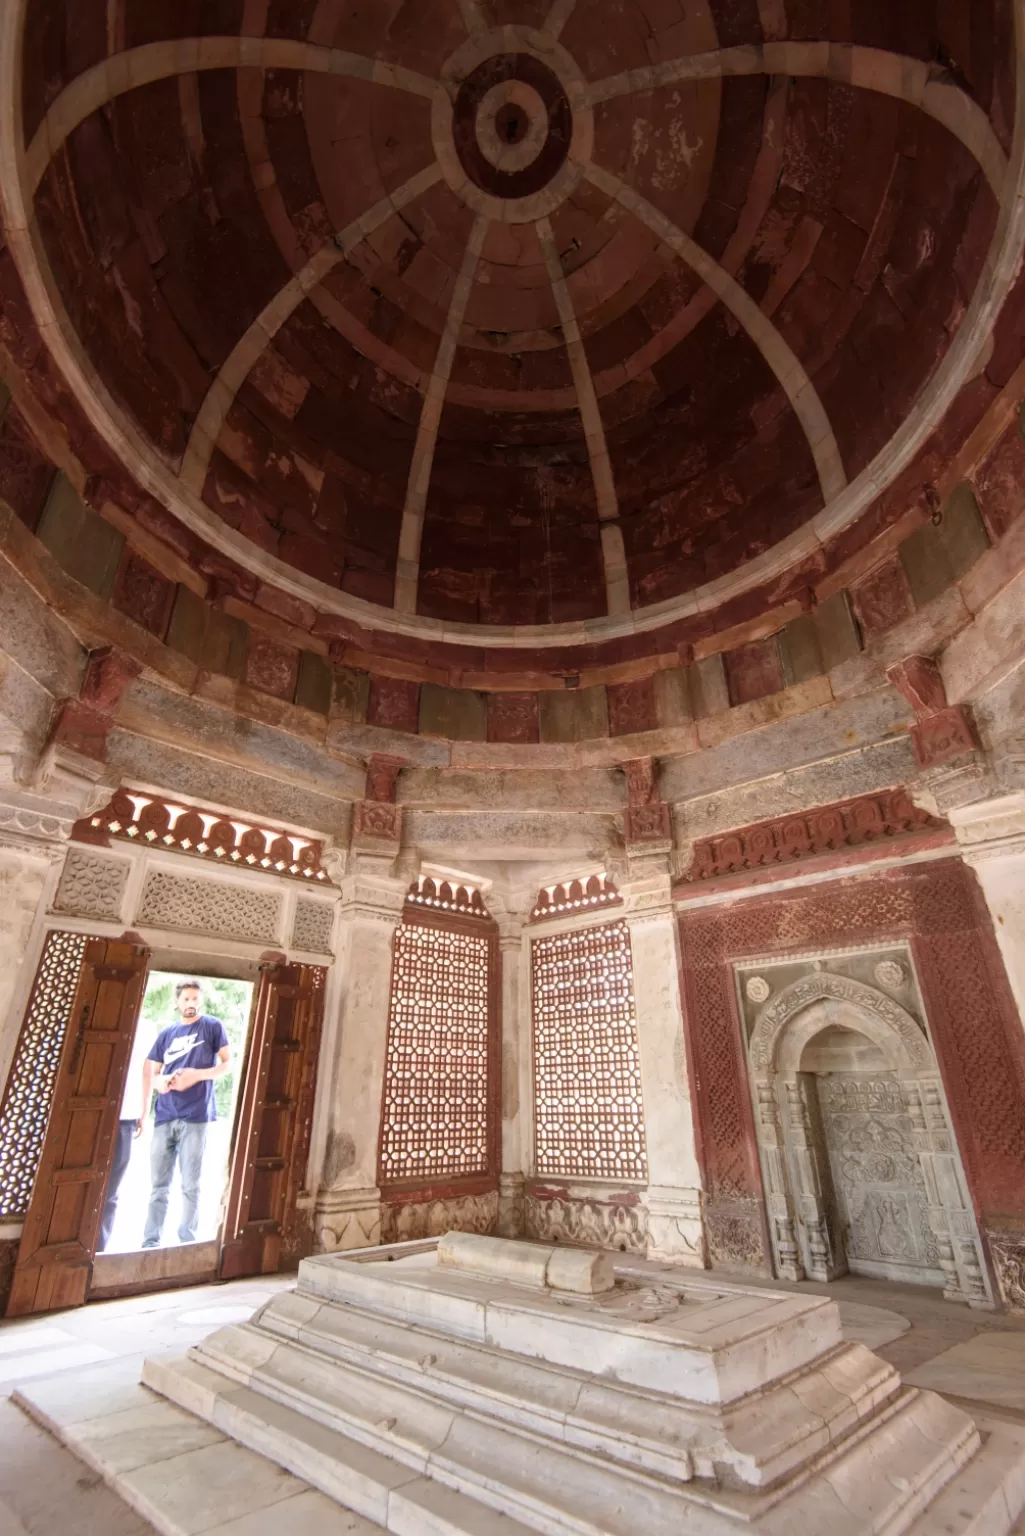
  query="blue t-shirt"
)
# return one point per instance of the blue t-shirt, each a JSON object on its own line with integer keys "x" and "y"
{"x": 188, "y": 1045}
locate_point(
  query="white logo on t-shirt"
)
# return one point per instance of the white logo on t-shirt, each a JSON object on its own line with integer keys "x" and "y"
{"x": 180, "y": 1046}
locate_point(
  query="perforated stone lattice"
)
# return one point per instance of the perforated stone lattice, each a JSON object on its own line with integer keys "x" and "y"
{"x": 587, "y": 1079}
{"x": 209, "y": 906}
{"x": 312, "y": 926}
{"x": 26, "y": 1105}
{"x": 435, "y": 1113}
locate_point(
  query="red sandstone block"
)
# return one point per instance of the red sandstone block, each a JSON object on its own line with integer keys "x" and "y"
{"x": 883, "y": 598}
{"x": 272, "y": 667}
{"x": 394, "y": 704}
{"x": 512, "y": 717}
{"x": 754, "y": 671}
{"x": 143, "y": 594}
{"x": 632, "y": 707}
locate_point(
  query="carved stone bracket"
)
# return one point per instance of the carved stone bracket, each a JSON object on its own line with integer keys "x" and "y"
{"x": 942, "y": 732}
{"x": 82, "y": 725}
{"x": 647, "y": 815}
{"x": 378, "y": 819}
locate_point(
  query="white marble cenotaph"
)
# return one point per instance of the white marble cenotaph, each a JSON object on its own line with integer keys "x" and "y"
{"x": 474, "y": 1385}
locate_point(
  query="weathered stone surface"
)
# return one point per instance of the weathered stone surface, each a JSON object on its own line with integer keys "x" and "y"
{"x": 883, "y": 766}
{"x": 672, "y": 697}
{"x": 753, "y": 671}
{"x": 513, "y": 717}
{"x": 224, "y": 644}
{"x": 152, "y": 710}
{"x": 836, "y": 630}
{"x": 351, "y": 696}
{"x": 271, "y": 667}
{"x": 584, "y": 789}
{"x": 457, "y": 714}
{"x": 708, "y": 688}
{"x": 632, "y": 707}
{"x": 926, "y": 631}
{"x": 139, "y": 758}
{"x": 143, "y": 594}
{"x": 787, "y": 744}
{"x": 88, "y": 548}
{"x": 937, "y": 554}
{"x": 314, "y": 684}
{"x": 883, "y": 598}
{"x": 577, "y": 714}
{"x": 186, "y": 631}
{"x": 394, "y": 703}
{"x": 506, "y": 834}
{"x": 33, "y": 636}
{"x": 800, "y": 651}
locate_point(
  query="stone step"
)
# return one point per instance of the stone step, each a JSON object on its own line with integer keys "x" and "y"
{"x": 753, "y": 1443}
{"x": 877, "y": 1481}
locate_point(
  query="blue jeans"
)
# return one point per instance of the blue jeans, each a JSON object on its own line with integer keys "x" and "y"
{"x": 122, "y": 1157}
{"x": 183, "y": 1141}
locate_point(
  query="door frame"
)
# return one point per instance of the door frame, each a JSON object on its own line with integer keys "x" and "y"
{"x": 153, "y": 1273}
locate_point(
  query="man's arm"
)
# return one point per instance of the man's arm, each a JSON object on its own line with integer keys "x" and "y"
{"x": 187, "y": 1077}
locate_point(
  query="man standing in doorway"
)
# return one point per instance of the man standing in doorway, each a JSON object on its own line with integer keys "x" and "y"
{"x": 182, "y": 1066}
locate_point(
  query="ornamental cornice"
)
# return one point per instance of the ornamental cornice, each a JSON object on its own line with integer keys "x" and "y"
{"x": 34, "y": 830}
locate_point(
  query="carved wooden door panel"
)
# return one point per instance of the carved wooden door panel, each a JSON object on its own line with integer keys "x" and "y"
{"x": 58, "y": 1240}
{"x": 272, "y": 1132}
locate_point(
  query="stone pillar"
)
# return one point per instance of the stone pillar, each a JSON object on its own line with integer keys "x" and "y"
{"x": 992, "y": 837}
{"x": 348, "y": 1202}
{"x": 515, "y": 1005}
{"x": 673, "y": 1199}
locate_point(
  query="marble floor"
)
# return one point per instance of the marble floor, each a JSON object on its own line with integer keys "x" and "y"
{"x": 977, "y": 1358}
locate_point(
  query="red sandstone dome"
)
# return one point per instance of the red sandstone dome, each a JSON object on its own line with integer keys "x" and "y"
{"x": 516, "y": 312}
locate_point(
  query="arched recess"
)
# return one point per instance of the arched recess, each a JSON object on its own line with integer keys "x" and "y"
{"x": 894, "y": 1106}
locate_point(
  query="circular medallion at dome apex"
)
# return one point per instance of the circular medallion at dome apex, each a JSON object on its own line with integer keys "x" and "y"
{"x": 512, "y": 78}
{"x": 517, "y": 315}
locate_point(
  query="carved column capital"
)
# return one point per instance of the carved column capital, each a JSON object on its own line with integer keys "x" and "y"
{"x": 369, "y": 893}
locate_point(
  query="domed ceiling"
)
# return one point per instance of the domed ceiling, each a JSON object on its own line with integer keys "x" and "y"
{"x": 512, "y": 312}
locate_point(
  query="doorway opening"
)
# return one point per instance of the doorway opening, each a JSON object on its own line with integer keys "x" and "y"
{"x": 178, "y": 1019}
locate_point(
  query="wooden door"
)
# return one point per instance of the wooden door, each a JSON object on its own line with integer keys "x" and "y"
{"x": 58, "y": 1240}
{"x": 272, "y": 1132}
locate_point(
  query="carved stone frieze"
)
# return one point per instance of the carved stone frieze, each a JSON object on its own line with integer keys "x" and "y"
{"x": 733, "y": 1232}
{"x": 620, "y": 1225}
{"x": 1008, "y": 1253}
{"x": 402, "y": 1223}
{"x": 829, "y": 829}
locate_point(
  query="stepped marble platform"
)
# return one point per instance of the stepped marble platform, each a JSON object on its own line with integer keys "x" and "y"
{"x": 477, "y": 1386}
